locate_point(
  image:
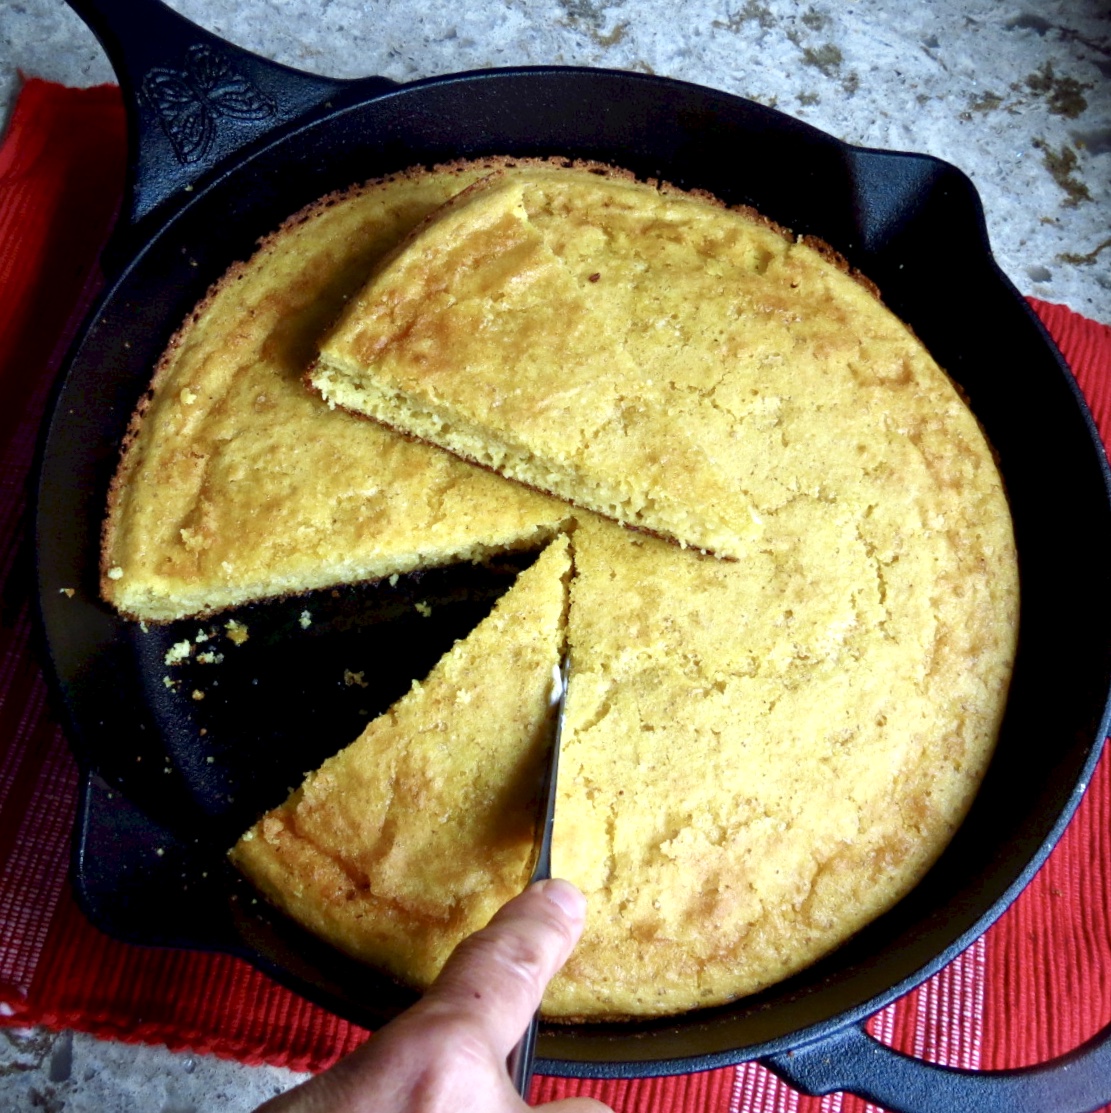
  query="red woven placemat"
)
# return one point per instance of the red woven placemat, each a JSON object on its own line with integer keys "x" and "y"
{"x": 1036, "y": 985}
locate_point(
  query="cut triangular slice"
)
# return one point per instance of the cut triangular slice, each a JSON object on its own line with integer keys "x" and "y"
{"x": 494, "y": 336}
{"x": 414, "y": 835}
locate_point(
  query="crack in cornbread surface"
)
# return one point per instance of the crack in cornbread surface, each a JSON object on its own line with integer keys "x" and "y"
{"x": 237, "y": 484}
{"x": 412, "y": 837}
{"x": 759, "y": 758}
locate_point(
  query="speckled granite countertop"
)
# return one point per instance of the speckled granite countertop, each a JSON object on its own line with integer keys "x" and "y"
{"x": 1015, "y": 93}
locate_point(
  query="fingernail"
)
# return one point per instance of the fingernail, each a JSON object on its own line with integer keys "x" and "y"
{"x": 565, "y": 897}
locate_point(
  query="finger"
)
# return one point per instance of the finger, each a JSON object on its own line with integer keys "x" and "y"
{"x": 495, "y": 979}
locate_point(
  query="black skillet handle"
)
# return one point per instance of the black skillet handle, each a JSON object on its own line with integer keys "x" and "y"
{"x": 192, "y": 98}
{"x": 851, "y": 1060}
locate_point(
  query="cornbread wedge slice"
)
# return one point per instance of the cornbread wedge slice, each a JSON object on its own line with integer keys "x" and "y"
{"x": 647, "y": 354}
{"x": 413, "y": 836}
{"x": 237, "y": 484}
{"x": 481, "y": 337}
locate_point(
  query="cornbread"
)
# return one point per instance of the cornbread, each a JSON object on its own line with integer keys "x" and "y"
{"x": 413, "y": 836}
{"x": 480, "y": 338}
{"x": 609, "y": 342}
{"x": 761, "y": 754}
{"x": 759, "y": 758}
{"x": 236, "y": 484}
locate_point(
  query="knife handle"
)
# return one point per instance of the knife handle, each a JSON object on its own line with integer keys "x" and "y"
{"x": 522, "y": 1058}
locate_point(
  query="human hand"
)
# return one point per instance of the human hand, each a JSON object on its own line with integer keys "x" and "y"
{"x": 448, "y": 1051}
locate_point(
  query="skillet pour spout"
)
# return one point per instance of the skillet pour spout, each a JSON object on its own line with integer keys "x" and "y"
{"x": 226, "y": 146}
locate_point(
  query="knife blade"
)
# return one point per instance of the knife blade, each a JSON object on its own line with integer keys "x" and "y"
{"x": 522, "y": 1057}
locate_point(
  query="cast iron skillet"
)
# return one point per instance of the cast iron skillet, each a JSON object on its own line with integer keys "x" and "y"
{"x": 225, "y": 145}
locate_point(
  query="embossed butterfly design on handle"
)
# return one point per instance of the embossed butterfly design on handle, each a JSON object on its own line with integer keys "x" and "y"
{"x": 190, "y": 101}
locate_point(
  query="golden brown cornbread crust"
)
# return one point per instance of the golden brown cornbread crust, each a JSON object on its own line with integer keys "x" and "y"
{"x": 412, "y": 837}
{"x": 580, "y": 335}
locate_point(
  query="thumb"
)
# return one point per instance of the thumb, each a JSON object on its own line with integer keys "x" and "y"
{"x": 496, "y": 978}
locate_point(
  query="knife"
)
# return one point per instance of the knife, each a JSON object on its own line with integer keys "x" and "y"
{"x": 522, "y": 1057}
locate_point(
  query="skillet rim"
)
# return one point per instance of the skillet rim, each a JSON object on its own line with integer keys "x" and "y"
{"x": 286, "y": 134}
